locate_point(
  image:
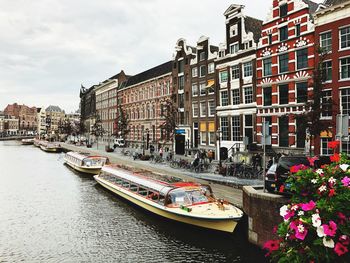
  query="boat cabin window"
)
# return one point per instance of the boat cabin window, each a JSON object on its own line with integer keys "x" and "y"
{"x": 181, "y": 196}
{"x": 153, "y": 195}
{"x": 142, "y": 191}
{"x": 161, "y": 199}
{"x": 126, "y": 184}
{"x": 133, "y": 187}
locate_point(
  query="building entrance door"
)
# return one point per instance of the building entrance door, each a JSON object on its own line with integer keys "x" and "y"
{"x": 180, "y": 144}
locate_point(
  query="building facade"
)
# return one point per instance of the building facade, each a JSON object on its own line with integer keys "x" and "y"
{"x": 285, "y": 64}
{"x": 203, "y": 98}
{"x": 54, "y": 117}
{"x": 181, "y": 74}
{"x": 88, "y": 109}
{"x": 236, "y": 80}
{"x": 27, "y": 117}
{"x": 106, "y": 103}
{"x": 143, "y": 98}
{"x": 41, "y": 117}
{"x": 332, "y": 35}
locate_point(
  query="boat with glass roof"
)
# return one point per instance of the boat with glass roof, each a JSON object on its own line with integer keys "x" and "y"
{"x": 85, "y": 162}
{"x": 186, "y": 202}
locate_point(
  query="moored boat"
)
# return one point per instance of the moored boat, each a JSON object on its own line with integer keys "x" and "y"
{"x": 50, "y": 146}
{"x": 27, "y": 141}
{"x": 189, "y": 203}
{"x": 84, "y": 162}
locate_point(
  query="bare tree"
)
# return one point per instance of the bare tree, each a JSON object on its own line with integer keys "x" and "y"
{"x": 169, "y": 112}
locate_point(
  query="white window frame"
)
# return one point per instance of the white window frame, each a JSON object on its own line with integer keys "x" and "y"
{"x": 234, "y": 47}
{"x": 196, "y": 89}
{"x": 340, "y": 28}
{"x": 251, "y": 95}
{"x": 202, "y": 87}
{"x": 226, "y": 77}
{"x": 211, "y": 68}
{"x": 226, "y": 98}
{"x": 237, "y": 67}
{"x": 203, "y": 142}
{"x": 327, "y": 39}
{"x": 210, "y": 113}
{"x": 203, "y": 107}
{"x": 193, "y": 109}
{"x": 340, "y": 68}
{"x": 200, "y": 71}
{"x": 246, "y": 69}
{"x": 214, "y": 138}
{"x": 232, "y": 97}
{"x": 194, "y": 72}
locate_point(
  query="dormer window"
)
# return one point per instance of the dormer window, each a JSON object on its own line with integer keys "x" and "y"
{"x": 221, "y": 54}
{"x": 283, "y": 10}
{"x": 234, "y": 48}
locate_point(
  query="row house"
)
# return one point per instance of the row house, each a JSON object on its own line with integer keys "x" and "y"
{"x": 332, "y": 31}
{"x": 2, "y": 124}
{"x": 144, "y": 98}
{"x": 106, "y": 103}
{"x": 54, "y": 117}
{"x": 236, "y": 77}
{"x": 285, "y": 63}
{"x": 203, "y": 98}
{"x": 87, "y": 108}
{"x": 181, "y": 74}
{"x": 10, "y": 125}
{"x": 27, "y": 117}
{"x": 42, "y": 125}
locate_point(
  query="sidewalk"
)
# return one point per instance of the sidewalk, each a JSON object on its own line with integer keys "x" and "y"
{"x": 219, "y": 183}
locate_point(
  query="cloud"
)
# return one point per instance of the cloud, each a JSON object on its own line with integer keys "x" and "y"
{"x": 49, "y": 47}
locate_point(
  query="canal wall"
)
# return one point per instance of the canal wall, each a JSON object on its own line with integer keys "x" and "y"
{"x": 263, "y": 212}
{"x": 14, "y": 138}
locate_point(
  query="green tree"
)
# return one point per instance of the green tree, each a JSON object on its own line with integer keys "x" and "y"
{"x": 97, "y": 128}
{"x": 169, "y": 111}
{"x": 122, "y": 121}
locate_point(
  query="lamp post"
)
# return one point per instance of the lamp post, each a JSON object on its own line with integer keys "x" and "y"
{"x": 218, "y": 137}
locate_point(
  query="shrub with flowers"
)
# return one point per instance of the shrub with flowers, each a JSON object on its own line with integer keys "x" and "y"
{"x": 315, "y": 225}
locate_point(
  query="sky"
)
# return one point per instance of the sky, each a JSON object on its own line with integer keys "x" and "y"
{"x": 48, "y": 48}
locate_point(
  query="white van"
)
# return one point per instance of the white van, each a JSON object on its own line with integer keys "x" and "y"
{"x": 119, "y": 142}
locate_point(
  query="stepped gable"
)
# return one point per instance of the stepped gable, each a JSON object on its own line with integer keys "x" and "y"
{"x": 253, "y": 25}
{"x": 150, "y": 74}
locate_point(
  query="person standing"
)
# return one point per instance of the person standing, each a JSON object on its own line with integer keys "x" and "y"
{"x": 161, "y": 152}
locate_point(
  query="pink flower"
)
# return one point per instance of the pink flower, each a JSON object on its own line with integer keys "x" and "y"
{"x": 346, "y": 181}
{"x": 308, "y": 206}
{"x": 344, "y": 239}
{"x": 340, "y": 249}
{"x": 289, "y": 214}
{"x": 342, "y": 218}
{"x": 296, "y": 168}
{"x": 330, "y": 229}
{"x": 272, "y": 245}
{"x": 299, "y": 228}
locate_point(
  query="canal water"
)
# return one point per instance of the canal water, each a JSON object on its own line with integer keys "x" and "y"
{"x": 49, "y": 213}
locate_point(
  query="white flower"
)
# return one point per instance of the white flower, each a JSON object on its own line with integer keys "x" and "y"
{"x": 320, "y": 231}
{"x": 322, "y": 188}
{"x": 300, "y": 213}
{"x": 344, "y": 167}
{"x": 332, "y": 180}
{"x": 316, "y": 220}
{"x": 328, "y": 242}
{"x": 314, "y": 181}
{"x": 283, "y": 210}
{"x": 301, "y": 228}
{"x": 294, "y": 207}
{"x": 319, "y": 171}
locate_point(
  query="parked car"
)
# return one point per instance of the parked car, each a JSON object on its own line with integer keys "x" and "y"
{"x": 278, "y": 173}
{"x": 119, "y": 142}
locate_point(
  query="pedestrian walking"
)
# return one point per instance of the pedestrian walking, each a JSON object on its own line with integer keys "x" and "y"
{"x": 161, "y": 152}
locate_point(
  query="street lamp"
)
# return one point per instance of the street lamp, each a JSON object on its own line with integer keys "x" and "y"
{"x": 218, "y": 138}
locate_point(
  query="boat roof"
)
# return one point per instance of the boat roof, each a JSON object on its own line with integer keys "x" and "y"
{"x": 82, "y": 155}
{"x": 159, "y": 186}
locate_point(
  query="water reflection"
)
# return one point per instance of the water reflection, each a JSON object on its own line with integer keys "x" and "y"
{"x": 50, "y": 213}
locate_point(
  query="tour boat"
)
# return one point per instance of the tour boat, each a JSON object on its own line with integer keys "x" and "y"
{"x": 27, "y": 141}
{"x": 37, "y": 142}
{"x": 84, "y": 162}
{"x": 50, "y": 146}
{"x": 189, "y": 203}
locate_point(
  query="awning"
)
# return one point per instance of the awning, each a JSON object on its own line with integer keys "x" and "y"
{"x": 326, "y": 134}
{"x": 203, "y": 127}
{"x": 211, "y": 127}
{"x": 210, "y": 83}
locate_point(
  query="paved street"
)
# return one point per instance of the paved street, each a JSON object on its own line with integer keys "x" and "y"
{"x": 230, "y": 193}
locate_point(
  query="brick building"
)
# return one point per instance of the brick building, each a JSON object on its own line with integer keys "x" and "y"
{"x": 332, "y": 34}
{"x": 27, "y": 117}
{"x": 203, "y": 127}
{"x": 143, "y": 98}
{"x": 285, "y": 63}
{"x": 181, "y": 74}
{"x": 236, "y": 78}
{"x": 106, "y": 102}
